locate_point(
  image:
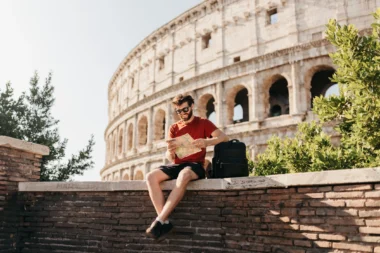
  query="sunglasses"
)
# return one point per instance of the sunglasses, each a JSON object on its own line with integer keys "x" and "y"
{"x": 185, "y": 109}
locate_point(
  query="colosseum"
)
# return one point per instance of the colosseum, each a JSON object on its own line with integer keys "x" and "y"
{"x": 252, "y": 66}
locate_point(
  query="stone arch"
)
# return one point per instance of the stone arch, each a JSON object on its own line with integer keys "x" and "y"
{"x": 277, "y": 96}
{"x": 159, "y": 125}
{"x": 317, "y": 82}
{"x": 121, "y": 141}
{"x": 205, "y": 105}
{"x": 237, "y": 99}
{"x": 130, "y": 137}
{"x": 143, "y": 130}
{"x": 138, "y": 175}
{"x": 126, "y": 177}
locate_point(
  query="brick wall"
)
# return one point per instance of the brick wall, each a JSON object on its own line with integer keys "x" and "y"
{"x": 345, "y": 218}
{"x": 19, "y": 162}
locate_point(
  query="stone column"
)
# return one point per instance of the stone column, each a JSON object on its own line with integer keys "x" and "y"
{"x": 125, "y": 133}
{"x": 135, "y": 130}
{"x": 295, "y": 91}
{"x": 20, "y": 161}
{"x": 219, "y": 105}
{"x": 150, "y": 127}
{"x": 256, "y": 103}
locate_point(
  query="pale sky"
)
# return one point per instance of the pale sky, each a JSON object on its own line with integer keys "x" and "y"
{"x": 82, "y": 42}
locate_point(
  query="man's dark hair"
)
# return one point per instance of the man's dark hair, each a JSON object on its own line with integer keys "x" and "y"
{"x": 180, "y": 99}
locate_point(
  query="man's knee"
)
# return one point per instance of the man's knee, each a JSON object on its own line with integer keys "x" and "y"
{"x": 155, "y": 177}
{"x": 185, "y": 176}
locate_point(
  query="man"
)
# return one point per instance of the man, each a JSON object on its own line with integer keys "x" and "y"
{"x": 189, "y": 168}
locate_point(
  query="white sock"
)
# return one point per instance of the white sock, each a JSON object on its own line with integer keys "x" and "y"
{"x": 159, "y": 219}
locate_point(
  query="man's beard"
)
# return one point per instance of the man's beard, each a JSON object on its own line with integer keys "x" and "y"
{"x": 189, "y": 115}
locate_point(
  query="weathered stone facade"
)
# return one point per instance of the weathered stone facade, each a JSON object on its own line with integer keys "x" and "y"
{"x": 264, "y": 58}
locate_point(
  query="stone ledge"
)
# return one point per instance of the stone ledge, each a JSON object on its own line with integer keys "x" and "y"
{"x": 333, "y": 177}
{"x": 29, "y": 147}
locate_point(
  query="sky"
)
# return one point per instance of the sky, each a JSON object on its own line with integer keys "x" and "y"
{"x": 81, "y": 42}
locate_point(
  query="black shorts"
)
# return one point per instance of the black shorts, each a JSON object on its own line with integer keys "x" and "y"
{"x": 172, "y": 170}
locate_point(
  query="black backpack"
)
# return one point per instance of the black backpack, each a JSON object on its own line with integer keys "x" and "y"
{"x": 229, "y": 160}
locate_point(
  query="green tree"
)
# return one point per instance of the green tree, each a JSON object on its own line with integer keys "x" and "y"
{"x": 29, "y": 118}
{"x": 356, "y": 111}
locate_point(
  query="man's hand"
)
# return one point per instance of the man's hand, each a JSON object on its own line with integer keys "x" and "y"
{"x": 200, "y": 143}
{"x": 171, "y": 146}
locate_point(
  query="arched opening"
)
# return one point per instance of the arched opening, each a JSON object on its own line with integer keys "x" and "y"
{"x": 320, "y": 83}
{"x": 159, "y": 125}
{"x": 241, "y": 108}
{"x": 210, "y": 108}
{"x": 116, "y": 178}
{"x": 120, "y": 144}
{"x": 143, "y": 131}
{"x": 139, "y": 175}
{"x": 333, "y": 90}
{"x": 126, "y": 177}
{"x": 279, "y": 98}
{"x": 130, "y": 137}
{"x": 205, "y": 106}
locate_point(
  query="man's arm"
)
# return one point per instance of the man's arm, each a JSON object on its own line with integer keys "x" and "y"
{"x": 217, "y": 137}
{"x": 170, "y": 152}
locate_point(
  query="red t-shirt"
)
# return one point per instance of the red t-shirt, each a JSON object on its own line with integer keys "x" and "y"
{"x": 197, "y": 128}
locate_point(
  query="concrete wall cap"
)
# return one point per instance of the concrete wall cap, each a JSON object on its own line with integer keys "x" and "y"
{"x": 29, "y": 147}
{"x": 332, "y": 177}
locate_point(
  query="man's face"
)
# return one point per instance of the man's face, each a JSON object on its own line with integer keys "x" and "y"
{"x": 184, "y": 111}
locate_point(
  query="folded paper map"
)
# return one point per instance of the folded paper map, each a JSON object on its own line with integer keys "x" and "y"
{"x": 185, "y": 146}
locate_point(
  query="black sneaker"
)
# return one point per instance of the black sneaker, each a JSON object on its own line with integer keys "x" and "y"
{"x": 166, "y": 229}
{"x": 154, "y": 231}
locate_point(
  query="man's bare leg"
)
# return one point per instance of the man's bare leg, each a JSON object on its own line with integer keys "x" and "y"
{"x": 153, "y": 180}
{"x": 185, "y": 176}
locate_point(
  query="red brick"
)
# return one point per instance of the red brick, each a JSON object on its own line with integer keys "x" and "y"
{"x": 355, "y": 203}
{"x": 307, "y": 189}
{"x": 303, "y": 243}
{"x": 370, "y": 213}
{"x": 372, "y": 203}
{"x": 369, "y": 230}
{"x": 275, "y": 197}
{"x": 252, "y": 192}
{"x": 327, "y": 203}
{"x": 330, "y": 237}
{"x": 325, "y": 211}
{"x": 319, "y": 228}
{"x": 344, "y": 195}
{"x": 357, "y": 187}
{"x": 306, "y": 212}
{"x": 319, "y": 195}
{"x": 361, "y": 238}
{"x": 377, "y": 250}
{"x": 352, "y": 247}
{"x": 372, "y": 194}
{"x": 346, "y": 221}
{"x": 312, "y": 220}
{"x": 346, "y": 212}
{"x": 377, "y": 186}
{"x": 322, "y": 244}
{"x": 276, "y": 219}
{"x": 280, "y": 241}
{"x": 290, "y": 190}
{"x": 301, "y": 235}
{"x": 283, "y": 226}
{"x": 373, "y": 223}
